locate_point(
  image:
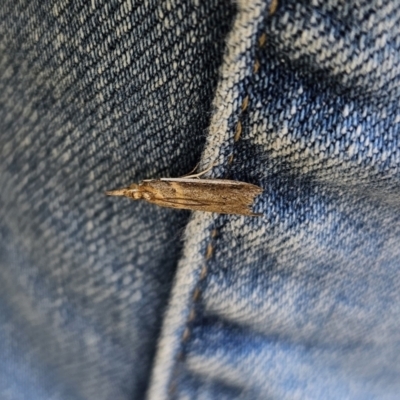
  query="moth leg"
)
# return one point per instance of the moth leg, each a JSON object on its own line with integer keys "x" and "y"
{"x": 191, "y": 172}
{"x": 212, "y": 165}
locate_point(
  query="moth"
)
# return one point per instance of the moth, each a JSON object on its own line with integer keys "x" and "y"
{"x": 192, "y": 193}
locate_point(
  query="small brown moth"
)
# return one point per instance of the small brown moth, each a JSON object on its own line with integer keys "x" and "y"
{"x": 188, "y": 192}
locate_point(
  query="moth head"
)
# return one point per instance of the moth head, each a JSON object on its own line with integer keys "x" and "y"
{"x": 133, "y": 191}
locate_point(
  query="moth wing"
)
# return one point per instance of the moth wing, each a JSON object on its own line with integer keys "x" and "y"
{"x": 220, "y": 196}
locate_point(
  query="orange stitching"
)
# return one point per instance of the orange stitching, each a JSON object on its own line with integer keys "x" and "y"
{"x": 203, "y": 272}
{"x": 273, "y": 6}
{"x": 245, "y": 103}
{"x": 172, "y": 387}
{"x": 180, "y": 357}
{"x": 256, "y": 66}
{"x": 186, "y": 334}
{"x": 238, "y": 131}
{"x": 262, "y": 40}
{"x": 196, "y": 294}
{"x": 192, "y": 315}
{"x": 209, "y": 251}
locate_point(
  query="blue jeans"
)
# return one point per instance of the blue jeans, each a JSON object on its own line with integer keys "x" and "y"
{"x": 104, "y": 298}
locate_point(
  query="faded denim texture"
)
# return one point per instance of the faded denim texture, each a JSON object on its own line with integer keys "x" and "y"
{"x": 94, "y": 95}
{"x": 301, "y": 98}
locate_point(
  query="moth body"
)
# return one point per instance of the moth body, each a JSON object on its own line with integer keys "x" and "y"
{"x": 213, "y": 195}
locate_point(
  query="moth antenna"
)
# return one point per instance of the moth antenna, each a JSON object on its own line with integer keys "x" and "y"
{"x": 191, "y": 172}
{"x": 212, "y": 165}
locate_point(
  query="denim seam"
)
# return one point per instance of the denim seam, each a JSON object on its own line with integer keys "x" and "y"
{"x": 198, "y": 248}
{"x": 196, "y": 296}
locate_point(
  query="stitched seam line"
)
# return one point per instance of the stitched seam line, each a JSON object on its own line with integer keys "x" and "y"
{"x": 196, "y": 296}
{"x": 192, "y": 314}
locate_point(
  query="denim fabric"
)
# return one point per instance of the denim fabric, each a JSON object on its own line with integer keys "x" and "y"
{"x": 94, "y": 95}
{"x": 302, "y": 303}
